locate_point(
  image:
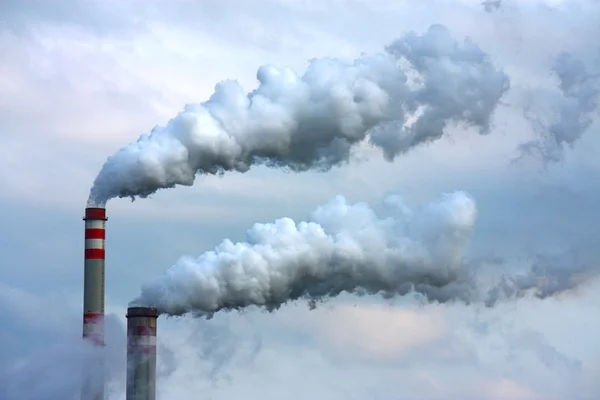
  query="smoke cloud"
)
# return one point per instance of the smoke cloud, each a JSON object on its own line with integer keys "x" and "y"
{"x": 56, "y": 370}
{"x": 350, "y": 248}
{"x": 312, "y": 121}
{"x": 342, "y": 247}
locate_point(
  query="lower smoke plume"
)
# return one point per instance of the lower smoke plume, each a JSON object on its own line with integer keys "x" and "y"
{"x": 342, "y": 247}
{"x": 351, "y": 248}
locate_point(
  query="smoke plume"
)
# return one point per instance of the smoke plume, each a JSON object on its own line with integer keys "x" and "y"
{"x": 351, "y": 248}
{"x": 342, "y": 247}
{"x": 312, "y": 121}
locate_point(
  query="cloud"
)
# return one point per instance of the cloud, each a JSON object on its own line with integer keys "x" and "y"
{"x": 507, "y": 389}
{"x": 102, "y": 18}
{"x": 379, "y": 334}
{"x": 301, "y": 348}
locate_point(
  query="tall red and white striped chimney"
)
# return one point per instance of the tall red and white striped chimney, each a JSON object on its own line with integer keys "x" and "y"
{"x": 93, "y": 297}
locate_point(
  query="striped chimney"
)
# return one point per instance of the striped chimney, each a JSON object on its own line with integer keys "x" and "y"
{"x": 141, "y": 353}
{"x": 93, "y": 299}
{"x": 93, "y": 281}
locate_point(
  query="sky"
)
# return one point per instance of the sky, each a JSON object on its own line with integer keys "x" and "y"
{"x": 81, "y": 79}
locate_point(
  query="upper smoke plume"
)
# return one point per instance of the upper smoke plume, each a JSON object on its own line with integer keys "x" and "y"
{"x": 312, "y": 121}
{"x": 350, "y": 248}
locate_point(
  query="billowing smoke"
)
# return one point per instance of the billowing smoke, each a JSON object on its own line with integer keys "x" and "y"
{"x": 351, "y": 248}
{"x": 400, "y": 99}
{"x": 580, "y": 90}
{"x": 57, "y": 366}
{"x": 342, "y": 247}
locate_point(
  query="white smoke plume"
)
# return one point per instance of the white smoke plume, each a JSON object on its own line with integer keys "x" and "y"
{"x": 342, "y": 247}
{"x": 351, "y": 248}
{"x": 312, "y": 121}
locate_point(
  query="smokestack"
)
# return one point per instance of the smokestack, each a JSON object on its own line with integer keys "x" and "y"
{"x": 93, "y": 297}
{"x": 93, "y": 286}
{"x": 141, "y": 353}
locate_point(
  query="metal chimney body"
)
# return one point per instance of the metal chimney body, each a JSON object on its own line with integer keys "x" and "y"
{"x": 141, "y": 353}
{"x": 93, "y": 298}
{"x": 93, "y": 280}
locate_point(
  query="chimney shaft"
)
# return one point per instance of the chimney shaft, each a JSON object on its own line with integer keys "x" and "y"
{"x": 141, "y": 353}
{"x": 93, "y": 298}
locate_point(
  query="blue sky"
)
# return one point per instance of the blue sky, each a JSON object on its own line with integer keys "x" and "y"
{"x": 80, "y": 79}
